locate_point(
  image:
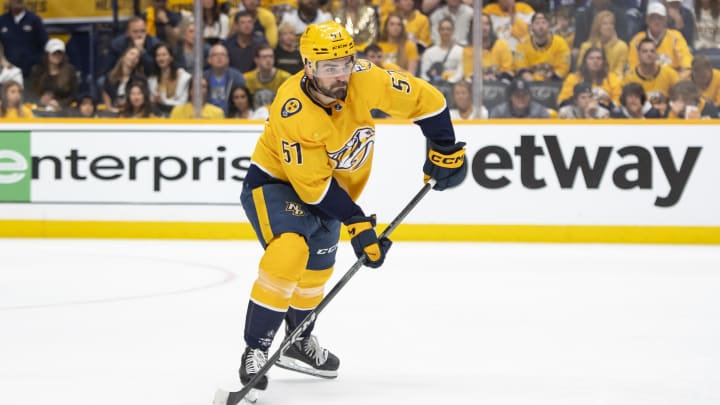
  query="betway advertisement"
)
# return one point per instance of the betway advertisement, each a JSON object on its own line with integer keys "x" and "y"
{"x": 556, "y": 174}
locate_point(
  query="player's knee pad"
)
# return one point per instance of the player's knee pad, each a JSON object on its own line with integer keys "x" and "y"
{"x": 310, "y": 289}
{"x": 281, "y": 268}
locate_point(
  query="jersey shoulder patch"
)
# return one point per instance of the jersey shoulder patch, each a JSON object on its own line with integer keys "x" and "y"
{"x": 363, "y": 65}
{"x": 291, "y": 107}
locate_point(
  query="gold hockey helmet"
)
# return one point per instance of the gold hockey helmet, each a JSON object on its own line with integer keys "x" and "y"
{"x": 325, "y": 41}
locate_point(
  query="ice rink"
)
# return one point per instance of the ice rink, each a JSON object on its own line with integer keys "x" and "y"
{"x": 117, "y": 322}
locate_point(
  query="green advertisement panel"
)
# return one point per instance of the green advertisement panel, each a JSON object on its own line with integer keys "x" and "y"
{"x": 15, "y": 167}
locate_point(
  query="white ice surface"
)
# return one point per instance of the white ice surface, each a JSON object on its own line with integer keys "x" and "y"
{"x": 114, "y": 322}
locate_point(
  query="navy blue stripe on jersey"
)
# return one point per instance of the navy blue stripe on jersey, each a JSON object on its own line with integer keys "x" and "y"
{"x": 438, "y": 128}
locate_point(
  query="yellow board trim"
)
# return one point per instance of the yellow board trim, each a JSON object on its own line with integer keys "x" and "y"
{"x": 406, "y": 232}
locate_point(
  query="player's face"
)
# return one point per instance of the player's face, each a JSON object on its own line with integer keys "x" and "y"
{"x": 332, "y": 76}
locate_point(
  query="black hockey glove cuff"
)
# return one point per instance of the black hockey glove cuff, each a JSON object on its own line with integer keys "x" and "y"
{"x": 364, "y": 240}
{"x": 445, "y": 164}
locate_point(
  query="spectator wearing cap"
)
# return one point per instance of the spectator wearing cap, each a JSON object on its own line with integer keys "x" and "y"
{"x": 706, "y": 79}
{"x": 543, "y": 56}
{"x": 671, "y": 47}
{"x": 634, "y": 104}
{"x": 681, "y": 19}
{"x": 9, "y": 72}
{"x": 655, "y": 79}
{"x": 584, "y": 105}
{"x": 54, "y": 82}
{"x": 519, "y": 104}
{"x": 23, "y": 36}
{"x": 162, "y": 23}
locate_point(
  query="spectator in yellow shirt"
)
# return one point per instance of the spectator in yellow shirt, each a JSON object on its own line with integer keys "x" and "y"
{"x": 11, "y": 103}
{"x": 497, "y": 59}
{"x": 417, "y": 24}
{"x": 655, "y": 79}
{"x": 510, "y": 20}
{"x": 603, "y": 35}
{"x": 671, "y": 46}
{"x": 595, "y": 71}
{"x": 187, "y": 110}
{"x": 543, "y": 56}
{"x": 266, "y": 75}
{"x": 396, "y": 46}
{"x": 706, "y": 79}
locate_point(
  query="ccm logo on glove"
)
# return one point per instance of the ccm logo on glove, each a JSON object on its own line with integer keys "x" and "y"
{"x": 445, "y": 164}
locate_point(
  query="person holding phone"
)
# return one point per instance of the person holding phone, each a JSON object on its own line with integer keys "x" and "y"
{"x": 686, "y": 103}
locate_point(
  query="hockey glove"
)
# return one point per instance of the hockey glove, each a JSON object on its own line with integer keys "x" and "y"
{"x": 445, "y": 164}
{"x": 364, "y": 240}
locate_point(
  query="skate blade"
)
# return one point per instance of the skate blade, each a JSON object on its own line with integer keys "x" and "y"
{"x": 288, "y": 363}
{"x": 222, "y": 397}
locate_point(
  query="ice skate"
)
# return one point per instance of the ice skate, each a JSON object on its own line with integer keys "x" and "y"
{"x": 306, "y": 356}
{"x": 252, "y": 361}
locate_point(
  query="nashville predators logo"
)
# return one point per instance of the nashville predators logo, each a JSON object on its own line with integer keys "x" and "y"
{"x": 294, "y": 208}
{"x": 356, "y": 151}
{"x": 292, "y": 106}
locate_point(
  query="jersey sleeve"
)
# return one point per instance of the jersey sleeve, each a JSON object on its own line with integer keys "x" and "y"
{"x": 404, "y": 96}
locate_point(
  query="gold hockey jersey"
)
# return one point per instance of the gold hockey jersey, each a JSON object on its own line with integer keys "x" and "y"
{"x": 308, "y": 145}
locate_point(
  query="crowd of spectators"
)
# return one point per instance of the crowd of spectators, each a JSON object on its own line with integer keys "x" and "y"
{"x": 588, "y": 59}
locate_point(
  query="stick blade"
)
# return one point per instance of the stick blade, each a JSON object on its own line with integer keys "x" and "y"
{"x": 223, "y": 397}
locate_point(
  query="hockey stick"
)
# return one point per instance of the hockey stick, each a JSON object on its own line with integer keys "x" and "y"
{"x": 234, "y": 397}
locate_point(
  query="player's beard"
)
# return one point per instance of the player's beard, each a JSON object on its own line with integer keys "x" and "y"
{"x": 337, "y": 90}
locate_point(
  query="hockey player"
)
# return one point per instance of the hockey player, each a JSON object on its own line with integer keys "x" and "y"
{"x": 309, "y": 167}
